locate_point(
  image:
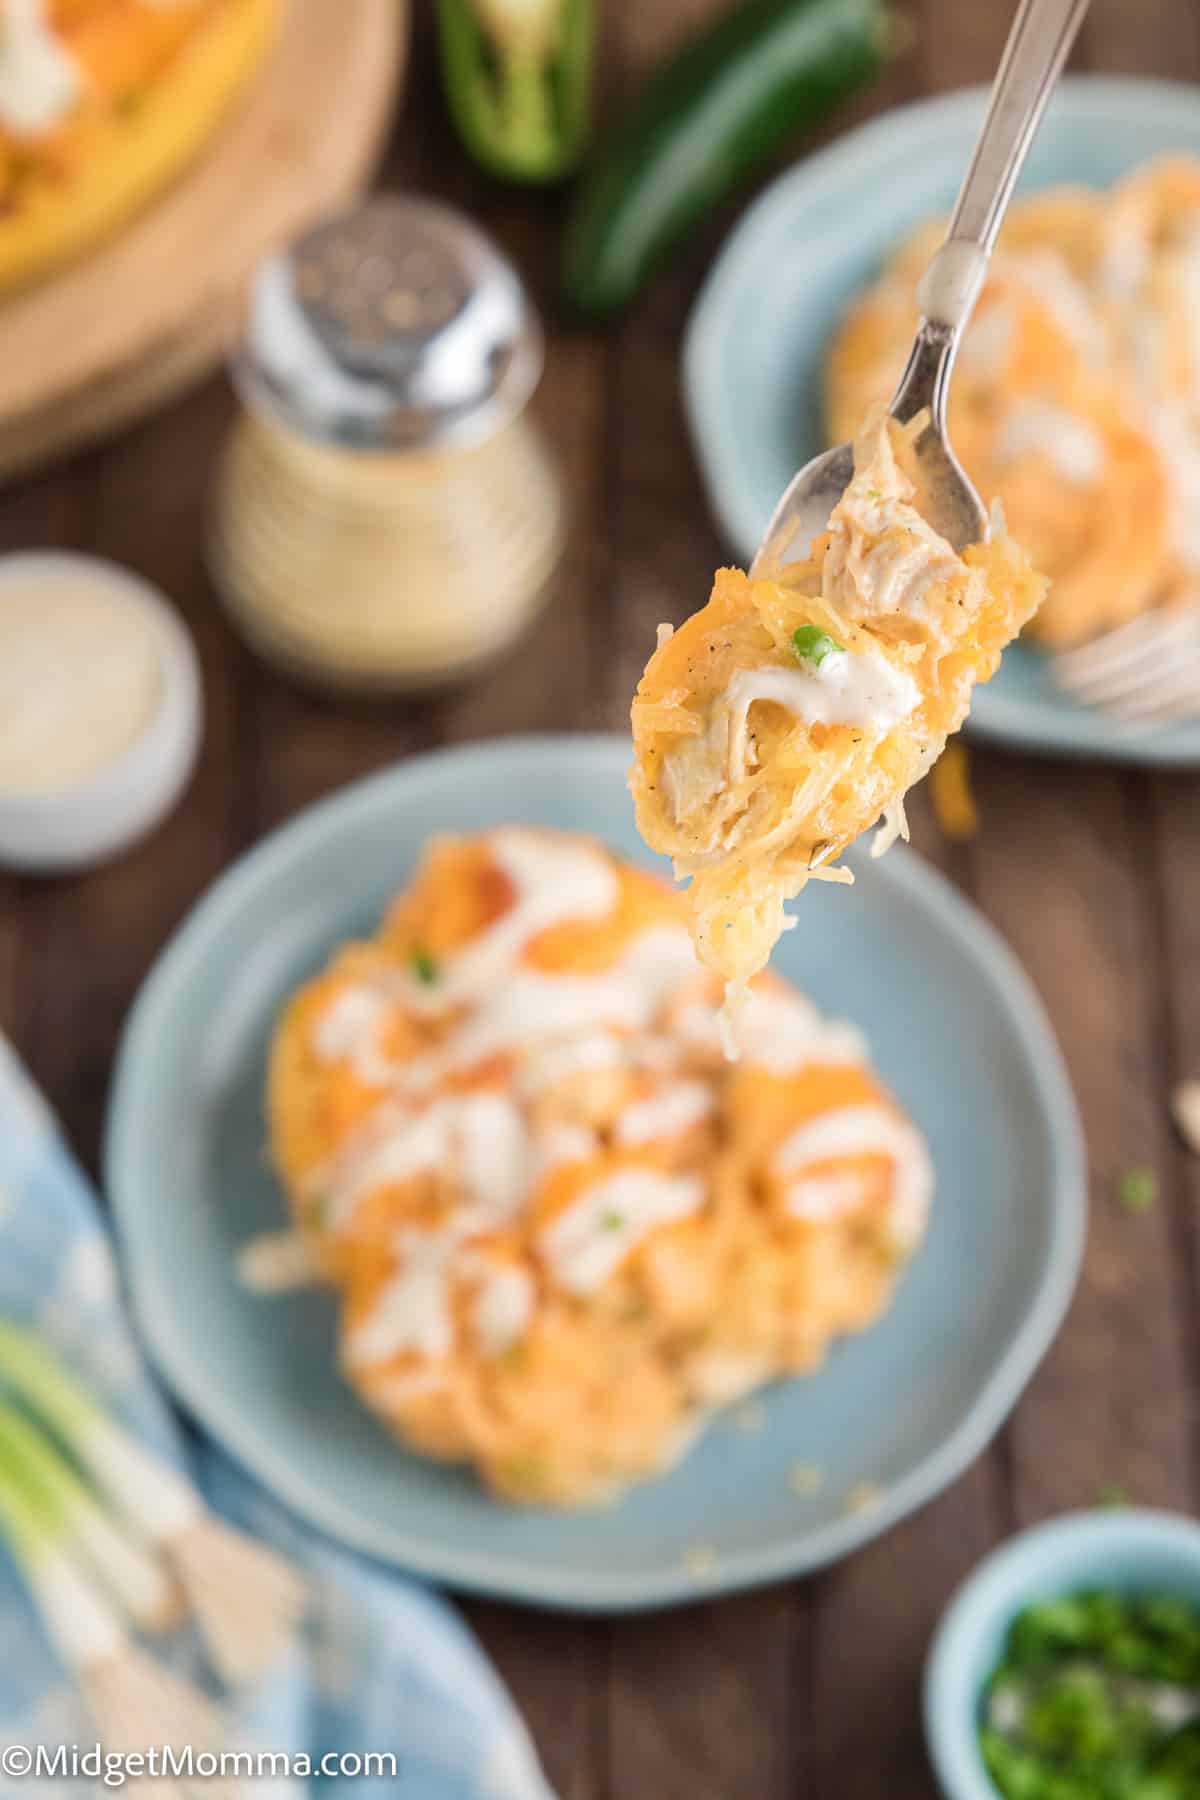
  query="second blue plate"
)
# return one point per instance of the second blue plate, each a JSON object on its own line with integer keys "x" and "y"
{"x": 756, "y": 341}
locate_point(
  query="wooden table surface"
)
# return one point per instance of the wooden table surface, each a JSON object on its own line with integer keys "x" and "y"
{"x": 1092, "y": 873}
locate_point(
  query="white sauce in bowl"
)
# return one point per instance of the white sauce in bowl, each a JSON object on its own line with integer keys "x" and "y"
{"x": 80, "y": 679}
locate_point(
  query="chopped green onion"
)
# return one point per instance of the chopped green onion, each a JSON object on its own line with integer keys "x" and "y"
{"x": 424, "y": 967}
{"x": 1089, "y": 1698}
{"x": 813, "y": 645}
{"x": 1112, "y": 1496}
{"x": 1137, "y": 1190}
{"x": 612, "y": 1221}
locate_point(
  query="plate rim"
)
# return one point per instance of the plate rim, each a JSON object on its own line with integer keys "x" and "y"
{"x": 512, "y": 1577}
{"x": 854, "y": 155}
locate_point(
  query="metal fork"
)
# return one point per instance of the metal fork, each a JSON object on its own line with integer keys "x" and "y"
{"x": 1040, "y": 37}
{"x": 1143, "y": 675}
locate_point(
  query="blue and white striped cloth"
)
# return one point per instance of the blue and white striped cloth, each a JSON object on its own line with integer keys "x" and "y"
{"x": 384, "y": 1665}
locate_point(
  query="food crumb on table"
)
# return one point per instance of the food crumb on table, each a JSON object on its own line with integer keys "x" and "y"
{"x": 750, "y": 1417}
{"x": 1185, "y": 1110}
{"x": 1137, "y": 1190}
{"x": 700, "y": 1561}
{"x": 806, "y": 1479}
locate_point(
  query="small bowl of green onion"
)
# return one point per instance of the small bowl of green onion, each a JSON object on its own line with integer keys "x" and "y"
{"x": 1067, "y": 1667}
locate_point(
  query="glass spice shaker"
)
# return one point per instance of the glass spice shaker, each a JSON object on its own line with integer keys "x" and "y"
{"x": 386, "y": 515}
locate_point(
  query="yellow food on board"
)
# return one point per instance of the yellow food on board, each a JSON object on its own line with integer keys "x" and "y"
{"x": 102, "y": 102}
{"x": 563, "y": 1227}
{"x": 783, "y": 719}
{"x": 1076, "y": 397}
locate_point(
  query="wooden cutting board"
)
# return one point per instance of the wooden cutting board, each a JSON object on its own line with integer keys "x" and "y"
{"x": 106, "y": 339}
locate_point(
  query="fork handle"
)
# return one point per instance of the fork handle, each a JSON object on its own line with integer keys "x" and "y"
{"x": 1038, "y": 43}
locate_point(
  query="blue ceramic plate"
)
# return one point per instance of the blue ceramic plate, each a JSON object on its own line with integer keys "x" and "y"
{"x": 756, "y": 341}
{"x": 955, "y": 1030}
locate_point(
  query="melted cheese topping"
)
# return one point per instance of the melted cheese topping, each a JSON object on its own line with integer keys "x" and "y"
{"x": 526, "y": 1148}
{"x": 794, "y": 710}
{"x": 598, "y": 1231}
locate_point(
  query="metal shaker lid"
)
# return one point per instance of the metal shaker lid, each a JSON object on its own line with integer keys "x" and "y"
{"x": 397, "y": 325}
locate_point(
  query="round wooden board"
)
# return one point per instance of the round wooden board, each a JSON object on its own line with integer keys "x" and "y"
{"x": 106, "y": 339}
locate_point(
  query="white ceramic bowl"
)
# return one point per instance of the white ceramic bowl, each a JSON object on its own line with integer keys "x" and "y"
{"x": 70, "y": 827}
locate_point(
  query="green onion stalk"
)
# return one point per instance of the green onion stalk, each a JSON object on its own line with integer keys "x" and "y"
{"x": 517, "y": 75}
{"x": 247, "y": 1599}
{"x": 133, "y": 1575}
{"x": 135, "y": 1701}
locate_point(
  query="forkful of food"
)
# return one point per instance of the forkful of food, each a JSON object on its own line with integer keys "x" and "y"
{"x": 800, "y": 704}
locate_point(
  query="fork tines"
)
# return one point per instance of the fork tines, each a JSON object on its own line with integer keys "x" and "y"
{"x": 1144, "y": 674}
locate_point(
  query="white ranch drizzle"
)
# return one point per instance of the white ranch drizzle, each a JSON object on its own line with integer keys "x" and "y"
{"x": 481, "y": 1137}
{"x": 534, "y": 1007}
{"x": 1038, "y": 428}
{"x": 867, "y": 1130}
{"x": 594, "y": 1235}
{"x": 278, "y": 1262}
{"x": 785, "y": 1034}
{"x": 408, "y": 1384}
{"x": 413, "y": 1311}
{"x": 529, "y": 1010}
{"x": 775, "y": 1030}
{"x": 674, "y": 1109}
{"x": 349, "y": 1031}
{"x": 554, "y": 881}
{"x": 562, "y": 1061}
{"x": 503, "y": 1308}
{"x": 988, "y": 342}
{"x": 721, "y": 1376}
{"x": 1047, "y": 277}
{"x": 824, "y": 1197}
{"x": 1178, "y": 440}
{"x": 860, "y": 689}
{"x": 39, "y": 80}
{"x": 561, "y": 1142}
